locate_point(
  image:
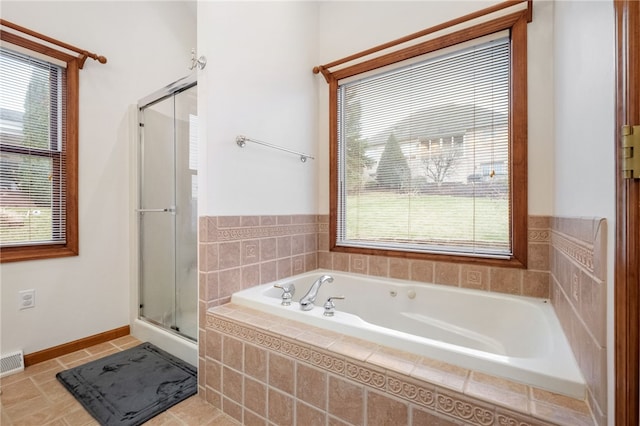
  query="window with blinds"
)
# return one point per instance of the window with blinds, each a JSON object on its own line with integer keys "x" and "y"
{"x": 32, "y": 151}
{"x": 424, "y": 157}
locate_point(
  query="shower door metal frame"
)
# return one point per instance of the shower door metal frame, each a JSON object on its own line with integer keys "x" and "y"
{"x": 158, "y": 96}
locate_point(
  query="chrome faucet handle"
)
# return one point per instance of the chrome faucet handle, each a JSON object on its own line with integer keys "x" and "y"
{"x": 288, "y": 290}
{"x": 330, "y": 307}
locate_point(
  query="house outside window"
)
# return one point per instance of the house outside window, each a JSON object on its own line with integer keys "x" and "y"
{"x": 430, "y": 153}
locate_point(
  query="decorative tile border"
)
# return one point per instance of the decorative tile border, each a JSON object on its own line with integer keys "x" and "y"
{"x": 418, "y": 394}
{"x": 464, "y": 410}
{"x": 579, "y": 252}
{"x": 539, "y": 236}
{"x": 253, "y": 232}
{"x": 422, "y": 394}
{"x": 366, "y": 376}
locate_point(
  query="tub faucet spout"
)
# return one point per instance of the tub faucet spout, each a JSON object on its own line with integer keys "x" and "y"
{"x": 306, "y": 303}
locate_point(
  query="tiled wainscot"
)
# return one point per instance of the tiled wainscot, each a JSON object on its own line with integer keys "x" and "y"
{"x": 261, "y": 370}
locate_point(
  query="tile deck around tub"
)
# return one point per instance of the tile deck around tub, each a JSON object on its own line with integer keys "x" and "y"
{"x": 434, "y": 388}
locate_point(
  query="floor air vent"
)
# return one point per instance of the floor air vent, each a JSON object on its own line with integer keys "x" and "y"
{"x": 11, "y": 363}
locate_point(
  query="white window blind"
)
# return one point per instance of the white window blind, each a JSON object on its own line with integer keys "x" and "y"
{"x": 32, "y": 151}
{"x": 423, "y": 155}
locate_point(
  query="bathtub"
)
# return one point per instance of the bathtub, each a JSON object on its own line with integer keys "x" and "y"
{"x": 514, "y": 337}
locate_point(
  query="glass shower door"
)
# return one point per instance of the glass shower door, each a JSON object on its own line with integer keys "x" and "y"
{"x": 186, "y": 103}
{"x": 168, "y": 213}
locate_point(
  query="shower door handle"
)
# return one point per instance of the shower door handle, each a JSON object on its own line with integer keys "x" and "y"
{"x": 170, "y": 209}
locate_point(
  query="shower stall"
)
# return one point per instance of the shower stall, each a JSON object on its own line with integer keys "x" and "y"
{"x": 167, "y": 272}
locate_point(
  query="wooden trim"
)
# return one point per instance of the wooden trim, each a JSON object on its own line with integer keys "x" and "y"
{"x": 429, "y": 46}
{"x": 627, "y": 256}
{"x": 71, "y": 247}
{"x": 517, "y": 24}
{"x": 436, "y": 257}
{"x": 76, "y": 345}
{"x": 35, "y": 47}
{"x": 84, "y": 54}
{"x": 518, "y": 127}
{"x": 45, "y": 251}
{"x": 73, "y": 121}
{"x": 457, "y": 21}
{"x": 333, "y": 161}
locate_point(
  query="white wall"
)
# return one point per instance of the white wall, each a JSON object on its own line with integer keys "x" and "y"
{"x": 258, "y": 83}
{"x": 584, "y": 68}
{"x": 147, "y": 45}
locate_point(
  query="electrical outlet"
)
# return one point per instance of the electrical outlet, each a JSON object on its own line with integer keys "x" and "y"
{"x": 27, "y": 299}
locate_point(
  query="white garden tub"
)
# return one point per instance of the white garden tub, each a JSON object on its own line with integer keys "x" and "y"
{"x": 515, "y": 337}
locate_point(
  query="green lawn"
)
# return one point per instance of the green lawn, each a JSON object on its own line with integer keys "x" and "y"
{"x": 18, "y": 222}
{"x": 383, "y": 215}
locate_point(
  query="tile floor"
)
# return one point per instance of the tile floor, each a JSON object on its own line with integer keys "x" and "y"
{"x": 36, "y": 398}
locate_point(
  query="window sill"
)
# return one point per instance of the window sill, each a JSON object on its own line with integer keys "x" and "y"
{"x": 512, "y": 262}
{"x": 17, "y": 254}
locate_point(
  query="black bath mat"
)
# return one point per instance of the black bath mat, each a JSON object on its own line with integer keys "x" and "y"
{"x": 132, "y": 386}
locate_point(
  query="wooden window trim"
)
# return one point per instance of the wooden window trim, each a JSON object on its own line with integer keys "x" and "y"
{"x": 516, "y": 23}
{"x": 71, "y": 247}
{"x": 627, "y": 250}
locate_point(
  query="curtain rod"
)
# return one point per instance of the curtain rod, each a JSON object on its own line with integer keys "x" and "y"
{"x": 84, "y": 54}
{"x": 241, "y": 141}
{"x": 324, "y": 69}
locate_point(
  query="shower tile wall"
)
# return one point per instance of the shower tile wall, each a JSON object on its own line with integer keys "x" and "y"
{"x": 579, "y": 294}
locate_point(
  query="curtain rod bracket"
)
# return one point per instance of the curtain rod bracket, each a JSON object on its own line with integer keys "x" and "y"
{"x": 325, "y": 72}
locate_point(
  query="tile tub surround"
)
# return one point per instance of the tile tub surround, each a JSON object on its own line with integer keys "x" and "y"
{"x": 261, "y": 369}
{"x": 242, "y": 251}
{"x": 237, "y": 252}
{"x": 578, "y": 294}
{"x": 533, "y": 281}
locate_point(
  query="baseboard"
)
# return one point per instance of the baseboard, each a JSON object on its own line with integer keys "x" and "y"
{"x": 76, "y": 345}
